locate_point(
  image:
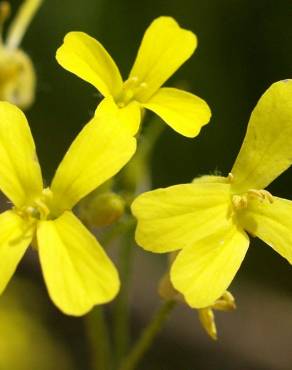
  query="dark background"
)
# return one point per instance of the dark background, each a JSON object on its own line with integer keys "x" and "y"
{"x": 244, "y": 46}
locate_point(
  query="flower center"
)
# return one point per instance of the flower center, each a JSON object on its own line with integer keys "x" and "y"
{"x": 38, "y": 209}
{"x": 240, "y": 201}
{"x": 131, "y": 87}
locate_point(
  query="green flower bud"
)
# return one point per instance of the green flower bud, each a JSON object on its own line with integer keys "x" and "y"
{"x": 17, "y": 78}
{"x": 101, "y": 209}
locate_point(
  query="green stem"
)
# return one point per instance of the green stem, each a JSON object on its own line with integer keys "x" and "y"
{"x": 147, "y": 336}
{"x": 150, "y": 136}
{"x": 97, "y": 332}
{"x": 122, "y": 227}
{"x": 121, "y": 308}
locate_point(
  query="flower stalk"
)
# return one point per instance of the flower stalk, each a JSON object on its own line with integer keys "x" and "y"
{"x": 147, "y": 336}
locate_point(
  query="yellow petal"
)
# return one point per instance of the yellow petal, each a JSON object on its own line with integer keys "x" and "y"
{"x": 175, "y": 217}
{"x": 86, "y": 57}
{"x": 100, "y": 150}
{"x": 130, "y": 117}
{"x": 205, "y": 269}
{"x": 266, "y": 151}
{"x": 271, "y": 222}
{"x": 184, "y": 112}
{"x": 77, "y": 271}
{"x": 15, "y": 237}
{"x": 164, "y": 48}
{"x": 20, "y": 174}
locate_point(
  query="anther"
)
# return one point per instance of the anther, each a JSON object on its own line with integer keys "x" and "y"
{"x": 47, "y": 193}
{"x": 239, "y": 202}
{"x": 131, "y": 87}
{"x": 130, "y": 82}
{"x": 261, "y": 194}
{"x": 230, "y": 177}
{"x": 33, "y": 212}
{"x": 42, "y": 209}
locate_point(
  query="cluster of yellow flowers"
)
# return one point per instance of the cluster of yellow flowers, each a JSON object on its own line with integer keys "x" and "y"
{"x": 207, "y": 221}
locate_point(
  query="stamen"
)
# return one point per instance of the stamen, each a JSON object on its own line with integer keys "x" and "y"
{"x": 239, "y": 202}
{"x": 21, "y": 22}
{"x": 230, "y": 177}
{"x": 47, "y": 193}
{"x": 131, "y": 88}
{"x": 42, "y": 209}
{"x": 39, "y": 207}
{"x": 130, "y": 82}
{"x": 261, "y": 194}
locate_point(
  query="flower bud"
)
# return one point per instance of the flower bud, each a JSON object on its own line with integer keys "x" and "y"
{"x": 101, "y": 209}
{"x": 17, "y": 74}
{"x": 225, "y": 303}
{"x": 167, "y": 291}
{"x": 17, "y": 78}
{"x": 207, "y": 319}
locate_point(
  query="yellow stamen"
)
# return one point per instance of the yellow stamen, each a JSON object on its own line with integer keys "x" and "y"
{"x": 39, "y": 208}
{"x": 131, "y": 87}
{"x": 42, "y": 208}
{"x": 261, "y": 194}
{"x": 241, "y": 201}
{"x": 230, "y": 177}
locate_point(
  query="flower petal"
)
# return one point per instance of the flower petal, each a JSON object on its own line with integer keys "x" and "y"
{"x": 184, "y": 112}
{"x": 164, "y": 48}
{"x": 205, "y": 269}
{"x": 77, "y": 271}
{"x": 15, "y": 236}
{"x": 20, "y": 173}
{"x": 130, "y": 117}
{"x": 271, "y": 222}
{"x": 266, "y": 151}
{"x": 100, "y": 150}
{"x": 175, "y": 217}
{"x": 86, "y": 57}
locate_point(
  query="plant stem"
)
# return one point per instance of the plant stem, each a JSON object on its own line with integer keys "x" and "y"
{"x": 119, "y": 229}
{"x": 97, "y": 332}
{"x": 121, "y": 308}
{"x": 147, "y": 336}
{"x": 151, "y": 135}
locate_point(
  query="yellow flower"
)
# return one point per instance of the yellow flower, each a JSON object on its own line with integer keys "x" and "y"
{"x": 208, "y": 219}
{"x": 17, "y": 75}
{"x": 77, "y": 272}
{"x": 164, "y": 48}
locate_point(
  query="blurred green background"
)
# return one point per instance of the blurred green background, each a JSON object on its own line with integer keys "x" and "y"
{"x": 244, "y": 46}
